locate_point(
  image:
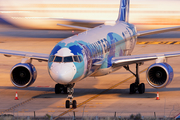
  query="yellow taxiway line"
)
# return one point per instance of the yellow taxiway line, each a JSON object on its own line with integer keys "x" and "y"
{"x": 86, "y": 101}
{"x": 156, "y": 42}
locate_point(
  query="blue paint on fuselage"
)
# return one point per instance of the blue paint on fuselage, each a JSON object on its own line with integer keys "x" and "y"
{"x": 94, "y": 51}
{"x": 76, "y": 49}
{"x": 115, "y": 49}
{"x": 80, "y": 69}
{"x": 55, "y": 49}
{"x": 104, "y": 49}
{"x": 131, "y": 27}
{"x": 53, "y": 52}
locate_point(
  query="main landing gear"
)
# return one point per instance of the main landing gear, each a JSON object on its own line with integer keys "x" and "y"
{"x": 67, "y": 89}
{"x": 136, "y": 86}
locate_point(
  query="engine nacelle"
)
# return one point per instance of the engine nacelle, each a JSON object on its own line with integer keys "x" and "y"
{"x": 159, "y": 75}
{"x": 23, "y": 75}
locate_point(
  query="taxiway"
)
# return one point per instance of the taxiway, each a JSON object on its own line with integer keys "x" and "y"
{"x": 99, "y": 96}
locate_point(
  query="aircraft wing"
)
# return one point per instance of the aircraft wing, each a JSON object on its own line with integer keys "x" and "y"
{"x": 127, "y": 60}
{"x": 155, "y": 31}
{"x": 32, "y": 55}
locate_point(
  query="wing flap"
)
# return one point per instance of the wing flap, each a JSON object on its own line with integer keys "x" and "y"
{"x": 32, "y": 55}
{"x": 127, "y": 60}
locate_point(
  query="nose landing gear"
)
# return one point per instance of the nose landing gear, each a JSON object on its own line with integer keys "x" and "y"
{"x": 69, "y": 102}
{"x": 59, "y": 88}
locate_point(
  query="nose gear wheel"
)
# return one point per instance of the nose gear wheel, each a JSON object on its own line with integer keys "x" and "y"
{"x": 70, "y": 91}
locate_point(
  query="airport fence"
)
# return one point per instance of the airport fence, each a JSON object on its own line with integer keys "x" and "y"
{"x": 48, "y": 117}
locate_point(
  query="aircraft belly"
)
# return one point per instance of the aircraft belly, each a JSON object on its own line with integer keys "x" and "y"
{"x": 105, "y": 71}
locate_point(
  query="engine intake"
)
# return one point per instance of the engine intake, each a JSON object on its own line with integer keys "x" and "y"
{"x": 159, "y": 75}
{"x": 23, "y": 75}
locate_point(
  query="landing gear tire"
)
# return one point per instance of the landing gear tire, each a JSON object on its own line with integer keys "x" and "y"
{"x": 67, "y": 104}
{"x": 70, "y": 90}
{"x": 141, "y": 88}
{"x": 58, "y": 88}
{"x": 132, "y": 88}
{"x": 74, "y": 104}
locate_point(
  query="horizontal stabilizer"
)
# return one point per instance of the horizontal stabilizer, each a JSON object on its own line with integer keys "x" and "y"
{"x": 156, "y": 31}
{"x": 78, "y": 21}
{"x": 75, "y": 27}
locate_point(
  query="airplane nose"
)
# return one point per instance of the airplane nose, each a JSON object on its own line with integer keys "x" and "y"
{"x": 62, "y": 73}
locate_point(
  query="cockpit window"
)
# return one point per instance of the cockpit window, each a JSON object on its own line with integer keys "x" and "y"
{"x": 80, "y": 59}
{"x": 75, "y": 58}
{"x": 58, "y": 59}
{"x": 51, "y": 58}
{"x": 68, "y": 59}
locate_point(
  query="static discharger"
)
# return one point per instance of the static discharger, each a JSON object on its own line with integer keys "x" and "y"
{"x": 157, "y": 98}
{"x": 16, "y": 97}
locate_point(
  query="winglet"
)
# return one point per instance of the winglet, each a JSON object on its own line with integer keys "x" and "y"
{"x": 123, "y": 11}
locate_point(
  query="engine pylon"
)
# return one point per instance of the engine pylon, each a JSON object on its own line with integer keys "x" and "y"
{"x": 16, "y": 96}
{"x": 157, "y": 97}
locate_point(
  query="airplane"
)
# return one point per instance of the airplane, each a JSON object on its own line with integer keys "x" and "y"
{"x": 95, "y": 52}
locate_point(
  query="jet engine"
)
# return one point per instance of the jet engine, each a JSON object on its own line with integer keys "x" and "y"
{"x": 23, "y": 75}
{"x": 159, "y": 75}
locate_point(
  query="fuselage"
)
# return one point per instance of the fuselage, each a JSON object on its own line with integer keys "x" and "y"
{"x": 73, "y": 58}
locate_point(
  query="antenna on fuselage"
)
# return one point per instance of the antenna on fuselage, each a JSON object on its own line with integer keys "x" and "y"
{"x": 123, "y": 11}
